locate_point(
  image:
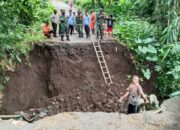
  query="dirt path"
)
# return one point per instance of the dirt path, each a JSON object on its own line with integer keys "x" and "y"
{"x": 61, "y": 5}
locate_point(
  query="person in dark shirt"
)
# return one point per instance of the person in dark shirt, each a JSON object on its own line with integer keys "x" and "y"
{"x": 99, "y": 24}
{"x": 86, "y": 22}
{"x": 79, "y": 24}
{"x": 110, "y": 24}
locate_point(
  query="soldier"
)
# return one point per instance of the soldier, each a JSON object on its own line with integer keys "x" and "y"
{"x": 79, "y": 24}
{"x": 64, "y": 26}
{"x": 99, "y": 24}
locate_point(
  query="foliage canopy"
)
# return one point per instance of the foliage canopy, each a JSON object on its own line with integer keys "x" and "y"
{"x": 20, "y": 26}
{"x": 151, "y": 30}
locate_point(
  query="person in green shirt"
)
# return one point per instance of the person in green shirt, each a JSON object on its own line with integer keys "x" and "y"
{"x": 99, "y": 24}
{"x": 79, "y": 24}
{"x": 64, "y": 26}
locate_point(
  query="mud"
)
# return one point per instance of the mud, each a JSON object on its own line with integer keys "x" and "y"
{"x": 65, "y": 78}
{"x": 168, "y": 119}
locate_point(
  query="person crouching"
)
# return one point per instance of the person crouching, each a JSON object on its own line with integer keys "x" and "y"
{"x": 47, "y": 30}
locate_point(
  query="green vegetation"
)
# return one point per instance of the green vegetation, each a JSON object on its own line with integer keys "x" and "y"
{"x": 20, "y": 27}
{"x": 151, "y": 30}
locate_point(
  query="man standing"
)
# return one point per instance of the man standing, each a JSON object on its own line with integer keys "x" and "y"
{"x": 64, "y": 26}
{"x": 54, "y": 21}
{"x": 71, "y": 21}
{"x": 87, "y": 24}
{"x": 79, "y": 24}
{"x": 110, "y": 23}
{"x": 93, "y": 19}
{"x": 74, "y": 21}
{"x": 61, "y": 11}
{"x": 99, "y": 24}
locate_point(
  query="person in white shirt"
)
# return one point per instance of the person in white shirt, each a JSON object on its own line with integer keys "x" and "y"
{"x": 54, "y": 21}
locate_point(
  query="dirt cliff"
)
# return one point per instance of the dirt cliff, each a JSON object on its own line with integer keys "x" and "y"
{"x": 67, "y": 77}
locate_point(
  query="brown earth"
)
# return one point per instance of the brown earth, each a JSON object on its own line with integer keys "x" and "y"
{"x": 67, "y": 77}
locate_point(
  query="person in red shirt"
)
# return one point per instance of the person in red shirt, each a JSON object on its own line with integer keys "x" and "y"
{"x": 47, "y": 30}
{"x": 110, "y": 24}
{"x": 93, "y": 20}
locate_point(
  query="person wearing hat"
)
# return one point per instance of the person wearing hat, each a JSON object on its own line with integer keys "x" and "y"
{"x": 99, "y": 24}
{"x": 64, "y": 26}
{"x": 79, "y": 24}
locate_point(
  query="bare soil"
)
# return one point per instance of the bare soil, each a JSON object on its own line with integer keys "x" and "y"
{"x": 65, "y": 78}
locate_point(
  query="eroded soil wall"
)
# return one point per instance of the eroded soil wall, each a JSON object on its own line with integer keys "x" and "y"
{"x": 66, "y": 77}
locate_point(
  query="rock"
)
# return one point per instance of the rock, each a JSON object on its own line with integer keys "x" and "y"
{"x": 53, "y": 103}
{"x": 42, "y": 114}
{"x": 49, "y": 107}
{"x": 172, "y": 105}
{"x": 153, "y": 100}
{"x": 62, "y": 99}
{"x": 78, "y": 98}
{"x": 110, "y": 92}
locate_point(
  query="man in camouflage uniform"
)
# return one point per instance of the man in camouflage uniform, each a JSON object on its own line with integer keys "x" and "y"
{"x": 99, "y": 24}
{"x": 79, "y": 24}
{"x": 64, "y": 26}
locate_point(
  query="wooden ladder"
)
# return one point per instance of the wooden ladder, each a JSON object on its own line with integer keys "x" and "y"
{"x": 102, "y": 62}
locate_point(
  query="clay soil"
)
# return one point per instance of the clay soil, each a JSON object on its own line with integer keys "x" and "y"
{"x": 65, "y": 78}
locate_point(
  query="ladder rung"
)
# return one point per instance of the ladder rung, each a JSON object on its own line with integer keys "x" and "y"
{"x": 103, "y": 61}
{"x": 100, "y": 56}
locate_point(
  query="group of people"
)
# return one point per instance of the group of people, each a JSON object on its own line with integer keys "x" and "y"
{"x": 96, "y": 23}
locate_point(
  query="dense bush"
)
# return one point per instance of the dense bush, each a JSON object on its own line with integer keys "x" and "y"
{"x": 20, "y": 26}
{"x": 151, "y": 30}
